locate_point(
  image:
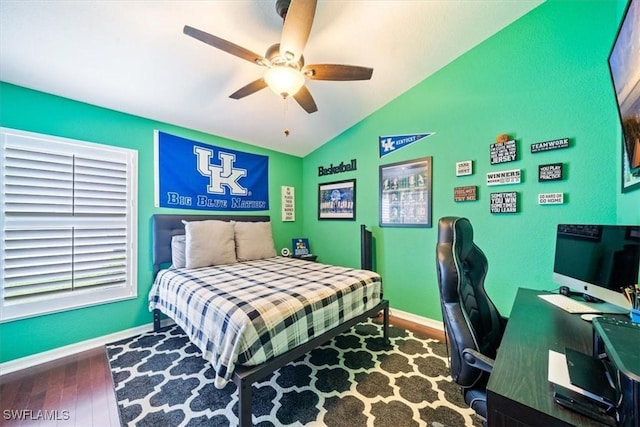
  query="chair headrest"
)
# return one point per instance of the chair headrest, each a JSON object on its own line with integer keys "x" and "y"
{"x": 458, "y": 232}
{"x": 462, "y": 237}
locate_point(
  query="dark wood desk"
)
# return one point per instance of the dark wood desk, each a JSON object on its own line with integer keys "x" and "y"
{"x": 519, "y": 392}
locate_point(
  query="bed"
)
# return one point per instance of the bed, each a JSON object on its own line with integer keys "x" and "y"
{"x": 252, "y": 317}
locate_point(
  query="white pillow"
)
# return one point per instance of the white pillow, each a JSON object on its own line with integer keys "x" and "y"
{"x": 208, "y": 243}
{"x": 177, "y": 251}
{"x": 254, "y": 240}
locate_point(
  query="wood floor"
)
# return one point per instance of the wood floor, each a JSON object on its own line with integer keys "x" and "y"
{"x": 78, "y": 390}
{"x": 72, "y": 391}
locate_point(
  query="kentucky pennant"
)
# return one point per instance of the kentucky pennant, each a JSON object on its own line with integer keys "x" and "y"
{"x": 193, "y": 175}
{"x": 389, "y": 144}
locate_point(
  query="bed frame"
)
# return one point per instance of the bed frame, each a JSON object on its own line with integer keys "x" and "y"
{"x": 165, "y": 226}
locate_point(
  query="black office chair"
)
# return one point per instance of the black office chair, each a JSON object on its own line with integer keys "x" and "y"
{"x": 473, "y": 325}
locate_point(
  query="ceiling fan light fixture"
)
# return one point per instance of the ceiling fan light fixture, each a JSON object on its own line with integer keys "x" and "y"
{"x": 284, "y": 80}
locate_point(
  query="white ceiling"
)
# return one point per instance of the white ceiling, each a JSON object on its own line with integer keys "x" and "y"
{"x": 132, "y": 56}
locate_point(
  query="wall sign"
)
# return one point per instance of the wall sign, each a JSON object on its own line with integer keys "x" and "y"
{"x": 288, "y": 203}
{"x": 504, "y": 177}
{"x": 195, "y": 175}
{"x": 503, "y": 152}
{"x": 389, "y": 144}
{"x": 504, "y": 202}
{"x": 550, "y": 198}
{"x": 556, "y": 144}
{"x": 550, "y": 172}
{"x": 464, "y": 168}
{"x": 465, "y": 194}
{"x": 341, "y": 168}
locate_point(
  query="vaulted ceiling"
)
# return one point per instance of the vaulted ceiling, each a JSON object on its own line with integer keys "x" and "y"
{"x": 132, "y": 56}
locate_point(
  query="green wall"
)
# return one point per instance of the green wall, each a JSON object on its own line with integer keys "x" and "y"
{"x": 33, "y": 111}
{"x": 542, "y": 78}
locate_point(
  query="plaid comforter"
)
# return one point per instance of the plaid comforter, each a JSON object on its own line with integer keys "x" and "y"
{"x": 249, "y": 312}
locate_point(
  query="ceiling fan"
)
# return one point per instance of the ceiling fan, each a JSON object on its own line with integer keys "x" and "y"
{"x": 286, "y": 71}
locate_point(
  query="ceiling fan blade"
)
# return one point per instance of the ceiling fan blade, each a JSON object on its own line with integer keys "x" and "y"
{"x": 296, "y": 28}
{"x": 337, "y": 72}
{"x": 304, "y": 98}
{"x": 247, "y": 90}
{"x": 225, "y": 45}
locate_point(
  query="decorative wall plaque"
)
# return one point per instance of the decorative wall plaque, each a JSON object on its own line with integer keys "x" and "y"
{"x": 504, "y": 202}
{"x": 550, "y": 198}
{"x": 465, "y": 194}
{"x": 556, "y": 144}
{"x": 550, "y": 172}
{"x": 464, "y": 168}
{"x": 503, "y": 152}
{"x": 288, "y": 203}
{"x": 504, "y": 177}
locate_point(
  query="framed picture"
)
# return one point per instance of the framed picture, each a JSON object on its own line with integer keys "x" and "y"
{"x": 405, "y": 193}
{"x": 300, "y": 246}
{"x": 337, "y": 200}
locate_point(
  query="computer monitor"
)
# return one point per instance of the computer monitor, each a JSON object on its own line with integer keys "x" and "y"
{"x": 598, "y": 260}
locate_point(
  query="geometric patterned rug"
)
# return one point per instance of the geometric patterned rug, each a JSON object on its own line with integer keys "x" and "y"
{"x": 354, "y": 380}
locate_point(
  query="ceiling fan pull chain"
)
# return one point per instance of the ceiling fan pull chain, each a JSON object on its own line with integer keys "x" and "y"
{"x": 286, "y": 116}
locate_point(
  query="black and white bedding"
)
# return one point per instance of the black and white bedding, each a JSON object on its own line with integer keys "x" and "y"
{"x": 247, "y": 312}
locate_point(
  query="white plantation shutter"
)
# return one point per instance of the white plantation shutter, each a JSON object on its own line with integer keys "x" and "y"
{"x": 68, "y": 224}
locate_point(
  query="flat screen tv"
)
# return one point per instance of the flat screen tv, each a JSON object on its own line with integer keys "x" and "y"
{"x": 598, "y": 260}
{"x": 624, "y": 65}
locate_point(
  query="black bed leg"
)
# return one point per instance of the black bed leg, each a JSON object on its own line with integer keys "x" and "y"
{"x": 244, "y": 404}
{"x": 156, "y": 320}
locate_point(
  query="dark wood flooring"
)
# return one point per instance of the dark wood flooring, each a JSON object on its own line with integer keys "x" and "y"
{"x": 78, "y": 390}
{"x": 72, "y": 391}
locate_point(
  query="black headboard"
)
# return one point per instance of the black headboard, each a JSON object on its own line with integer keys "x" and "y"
{"x": 165, "y": 226}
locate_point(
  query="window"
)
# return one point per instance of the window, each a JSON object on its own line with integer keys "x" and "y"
{"x": 68, "y": 222}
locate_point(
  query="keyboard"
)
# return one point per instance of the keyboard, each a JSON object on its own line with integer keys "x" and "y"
{"x": 568, "y": 304}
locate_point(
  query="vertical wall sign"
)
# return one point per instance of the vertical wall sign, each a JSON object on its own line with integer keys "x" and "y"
{"x": 504, "y": 202}
{"x": 288, "y": 203}
{"x": 389, "y": 144}
{"x": 194, "y": 175}
{"x": 465, "y": 194}
{"x": 550, "y": 172}
{"x": 464, "y": 168}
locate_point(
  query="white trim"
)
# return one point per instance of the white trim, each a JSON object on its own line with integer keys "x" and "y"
{"x": 69, "y": 350}
{"x": 424, "y": 321}
{"x": 57, "y": 353}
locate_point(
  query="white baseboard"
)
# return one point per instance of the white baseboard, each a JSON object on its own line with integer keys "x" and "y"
{"x": 424, "y": 321}
{"x": 69, "y": 350}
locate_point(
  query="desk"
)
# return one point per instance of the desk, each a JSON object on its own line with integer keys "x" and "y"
{"x": 518, "y": 392}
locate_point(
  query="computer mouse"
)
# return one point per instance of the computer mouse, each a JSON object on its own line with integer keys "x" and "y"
{"x": 589, "y": 316}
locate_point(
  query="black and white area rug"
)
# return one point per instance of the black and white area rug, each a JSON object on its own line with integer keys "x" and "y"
{"x": 353, "y": 380}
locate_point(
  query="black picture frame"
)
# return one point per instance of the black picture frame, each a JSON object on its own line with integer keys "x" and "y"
{"x": 337, "y": 200}
{"x": 405, "y": 193}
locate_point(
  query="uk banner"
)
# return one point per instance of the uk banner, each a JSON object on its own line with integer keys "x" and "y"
{"x": 389, "y": 144}
{"x": 193, "y": 175}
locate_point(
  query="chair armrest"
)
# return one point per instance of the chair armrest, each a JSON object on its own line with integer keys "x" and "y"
{"x": 477, "y": 360}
